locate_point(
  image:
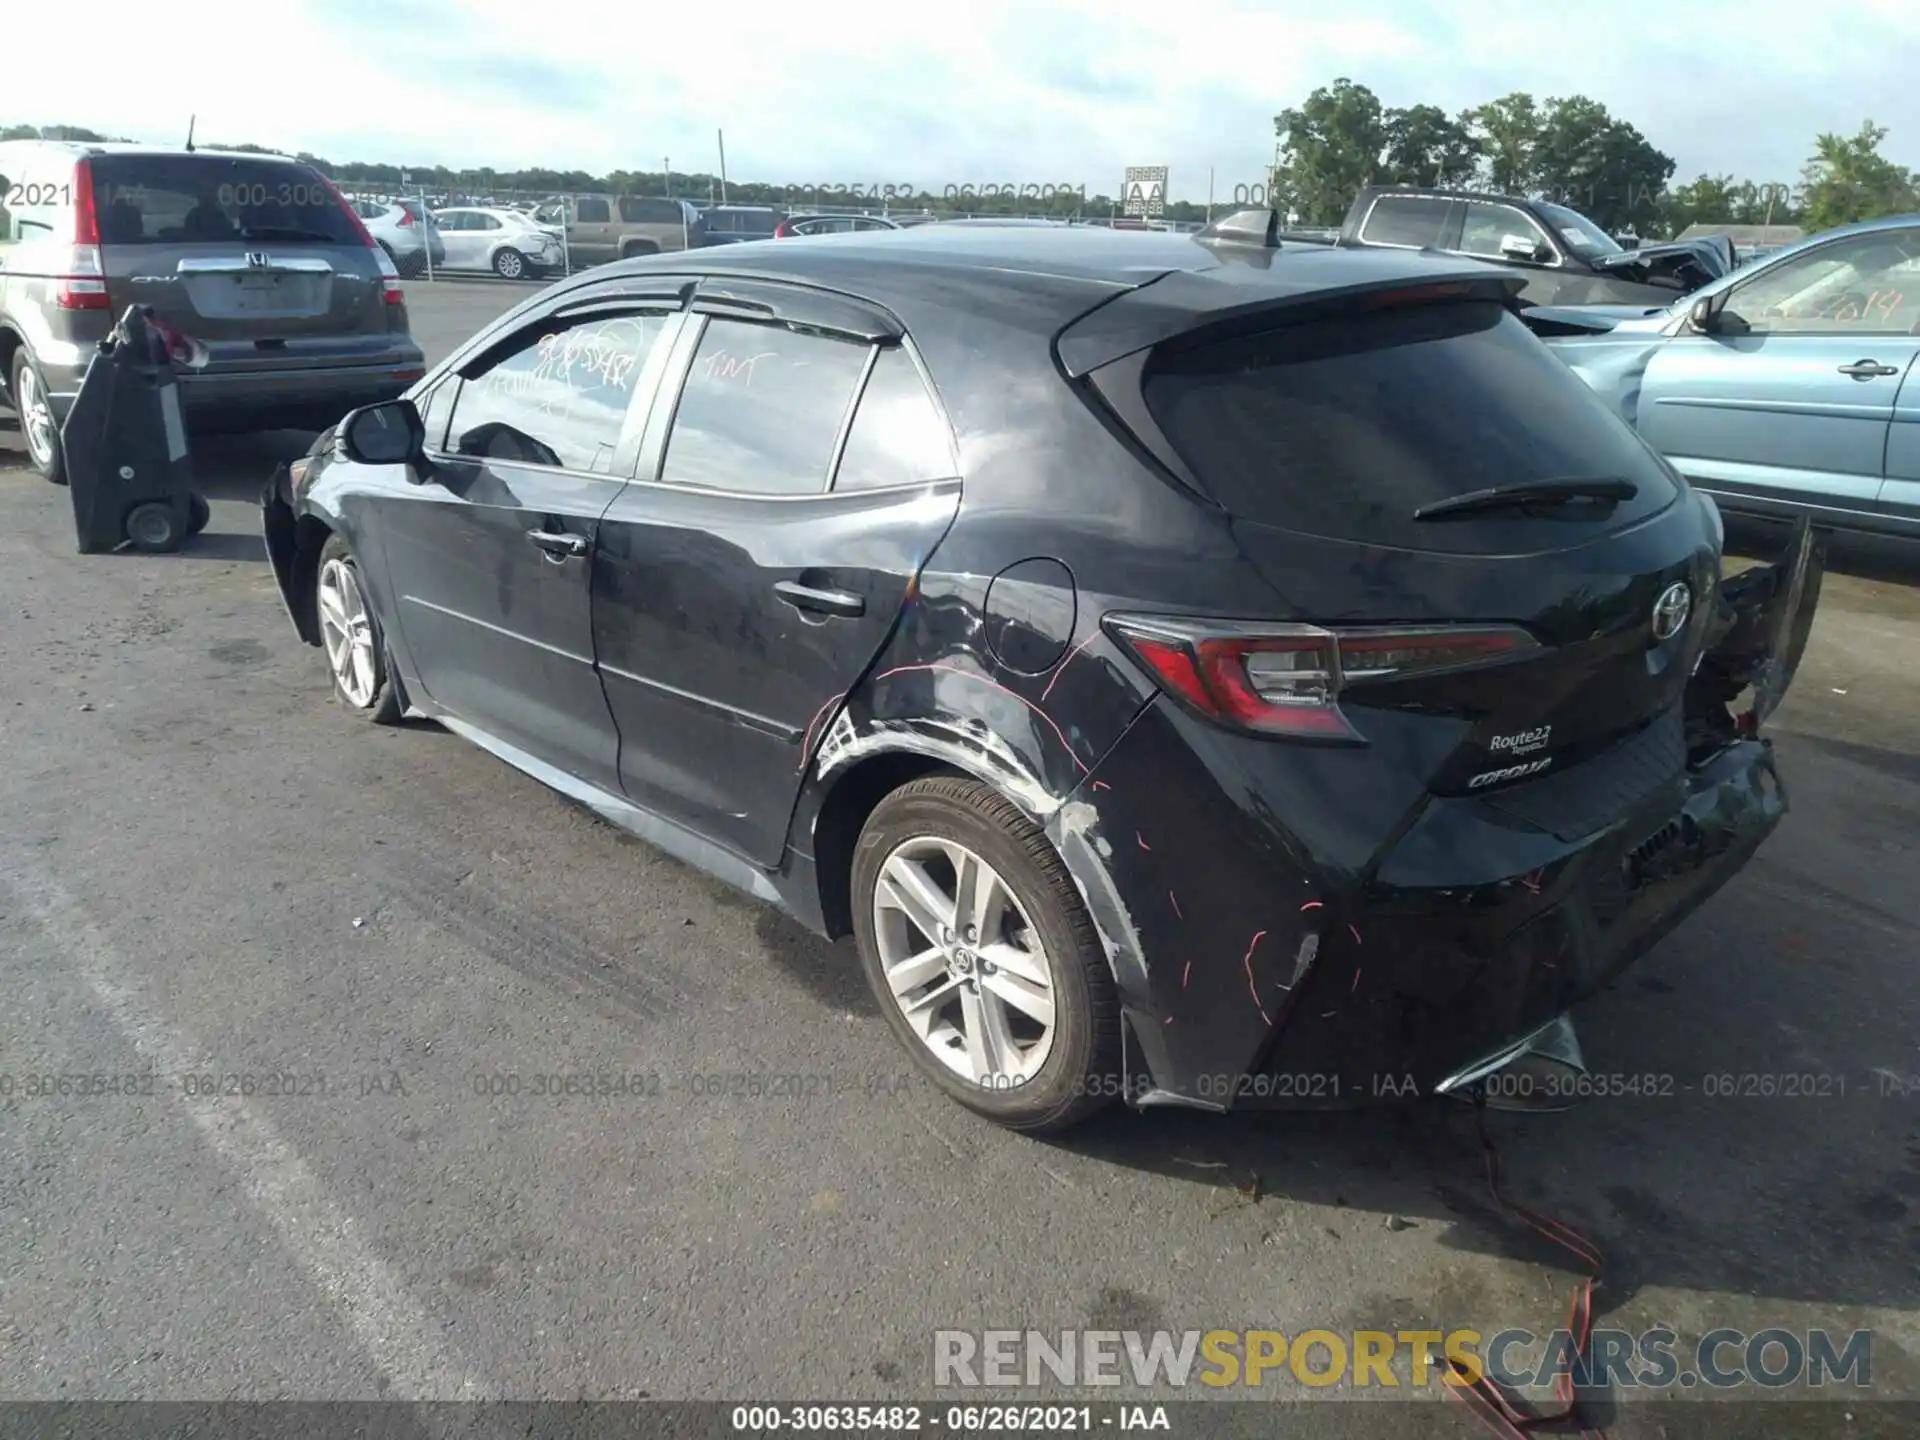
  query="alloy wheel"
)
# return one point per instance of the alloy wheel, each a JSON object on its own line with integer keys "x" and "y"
{"x": 964, "y": 962}
{"x": 36, "y": 417}
{"x": 347, "y": 632}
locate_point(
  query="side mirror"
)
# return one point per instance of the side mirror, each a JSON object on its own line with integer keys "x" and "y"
{"x": 387, "y": 434}
{"x": 1705, "y": 316}
{"x": 1519, "y": 247}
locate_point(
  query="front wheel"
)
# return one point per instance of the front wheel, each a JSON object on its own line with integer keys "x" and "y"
{"x": 983, "y": 958}
{"x": 350, "y": 634}
{"x": 509, "y": 264}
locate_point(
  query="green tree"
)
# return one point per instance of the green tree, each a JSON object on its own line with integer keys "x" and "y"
{"x": 1605, "y": 168}
{"x": 1331, "y": 148}
{"x": 1848, "y": 179}
{"x": 57, "y": 132}
{"x": 1704, "y": 200}
{"x": 1425, "y": 146}
{"x": 1506, "y": 132}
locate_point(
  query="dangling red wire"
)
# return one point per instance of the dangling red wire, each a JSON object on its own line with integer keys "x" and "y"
{"x": 1482, "y": 1396}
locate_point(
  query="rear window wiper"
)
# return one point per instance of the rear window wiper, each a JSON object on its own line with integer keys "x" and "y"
{"x": 288, "y": 232}
{"x": 1532, "y": 492}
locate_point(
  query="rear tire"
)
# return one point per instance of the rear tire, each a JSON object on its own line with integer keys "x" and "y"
{"x": 350, "y": 636}
{"x": 199, "y": 512}
{"x": 636, "y": 248}
{"x": 1029, "y": 1074}
{"x": 37, "y": 426}
{"x": 509, "y": 263}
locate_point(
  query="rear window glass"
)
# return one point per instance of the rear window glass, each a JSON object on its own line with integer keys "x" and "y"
{"x": 1343, "y": 428}
{"x": 210, "y": 199}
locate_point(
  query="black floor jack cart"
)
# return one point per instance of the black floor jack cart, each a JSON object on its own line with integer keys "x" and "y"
{"x": 129, "y": 472}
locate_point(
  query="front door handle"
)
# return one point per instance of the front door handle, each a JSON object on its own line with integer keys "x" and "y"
{"x": 1868, "y": 370}
{"x": 558, "y": 545}
{"x": 843, "y": 603}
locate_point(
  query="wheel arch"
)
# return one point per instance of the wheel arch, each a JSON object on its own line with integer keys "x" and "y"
{"x": 849, "y": 795}
{"x": 845, "y": 795}
{"x": 844, "y": 804}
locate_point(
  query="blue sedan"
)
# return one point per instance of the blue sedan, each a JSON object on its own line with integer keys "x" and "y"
{"x": 1789, "y": 387}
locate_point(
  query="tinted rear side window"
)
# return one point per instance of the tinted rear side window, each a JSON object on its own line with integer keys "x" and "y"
{"x": 1344, "y": 427}
{"x": 645, "y": 210}
{"x": 1397, "y": 221}
{"x": 742, "y": 222}
{"x": 897, "y": 437}
{"x": 194, "y": 199}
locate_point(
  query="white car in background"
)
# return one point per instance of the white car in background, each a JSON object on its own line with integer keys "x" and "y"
{"x": 405, "y": 231}
{"x": 507, "y": 242}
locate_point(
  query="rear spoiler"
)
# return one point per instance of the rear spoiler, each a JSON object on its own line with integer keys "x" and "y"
{"x": 1222, "y": 300}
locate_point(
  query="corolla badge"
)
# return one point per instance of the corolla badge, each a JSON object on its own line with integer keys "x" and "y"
{"x": 1671, "y": 610}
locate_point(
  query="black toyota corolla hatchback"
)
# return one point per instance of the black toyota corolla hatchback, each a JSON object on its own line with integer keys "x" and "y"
{"x": 1193, "y": 669}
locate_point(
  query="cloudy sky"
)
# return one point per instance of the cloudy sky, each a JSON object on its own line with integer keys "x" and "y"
{"x": 960, "y": 92}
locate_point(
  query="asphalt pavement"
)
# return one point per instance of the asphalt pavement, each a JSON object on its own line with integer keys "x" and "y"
{"x": 208, "y": 870}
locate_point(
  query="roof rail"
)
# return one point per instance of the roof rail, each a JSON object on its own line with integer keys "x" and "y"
{"x": 1259, "y": 228}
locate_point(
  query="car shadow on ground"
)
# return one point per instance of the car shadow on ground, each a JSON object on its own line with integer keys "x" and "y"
{"x": 1734, "y": 1201}
{"x": 237, "y": 467}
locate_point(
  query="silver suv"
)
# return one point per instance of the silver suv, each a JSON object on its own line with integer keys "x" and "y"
{"x": 299, "y": 312}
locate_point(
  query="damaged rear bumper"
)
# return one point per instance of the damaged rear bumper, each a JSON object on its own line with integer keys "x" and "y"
{"x": 1448, "y": 983}
{"x": 1262, "y": 969}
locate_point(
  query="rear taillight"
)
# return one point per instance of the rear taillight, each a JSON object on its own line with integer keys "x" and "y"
{"x": 353, "y": 215}
{"x": 86, "y": 219}
{"x": 83, "y": 286}
{"x": 406, "y": 217}
{"x": 389, "y": 277}
{"x": 1288, "y": 679}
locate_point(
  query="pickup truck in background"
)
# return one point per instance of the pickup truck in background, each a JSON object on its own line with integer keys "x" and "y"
{"x": 1568, "y": 260}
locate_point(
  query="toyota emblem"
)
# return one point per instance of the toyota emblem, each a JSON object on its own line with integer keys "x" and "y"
{"x": 1671, "y": 610}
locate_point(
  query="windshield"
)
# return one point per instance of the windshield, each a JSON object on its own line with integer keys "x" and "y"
{"x": 1581, "y": 235}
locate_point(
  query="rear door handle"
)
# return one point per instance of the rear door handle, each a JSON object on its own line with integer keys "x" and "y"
{"x": 843, "y": 603}
{"x": 558, "y": 545}
{"x": 1868, "y": 369}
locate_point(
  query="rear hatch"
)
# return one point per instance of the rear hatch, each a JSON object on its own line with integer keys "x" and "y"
{"x": 1454, "y": 526}
{"x": 257, "y": 258}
